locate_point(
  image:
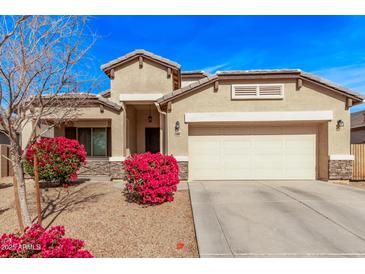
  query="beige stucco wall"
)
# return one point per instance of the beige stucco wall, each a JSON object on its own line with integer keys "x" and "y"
{"x": 322, "y": 151}
{"x": 26, "y": 132}
{"x": 131, "y": 144}
{"x": 130, "y": 78}
{"x": 307, "y": 98}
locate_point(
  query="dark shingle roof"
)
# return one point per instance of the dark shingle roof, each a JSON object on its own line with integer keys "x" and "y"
{"x": 358, "y": 119}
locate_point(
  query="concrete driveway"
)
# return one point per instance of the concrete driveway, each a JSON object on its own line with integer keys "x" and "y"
{"x": 278, "y": 219}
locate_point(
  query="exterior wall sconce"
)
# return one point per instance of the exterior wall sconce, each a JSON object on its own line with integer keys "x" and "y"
{"x": 340, "y": 124}
{"x": 177, "y": 127}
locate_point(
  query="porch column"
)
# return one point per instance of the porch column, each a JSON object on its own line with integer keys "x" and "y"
{"x": 124, "y": 131}
{"x": 118, "y": 134}
{"x": 118, "y": 143}
{"x": 162, "y": 133}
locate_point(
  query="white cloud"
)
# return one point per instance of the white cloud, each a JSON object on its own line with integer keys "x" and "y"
{"x": 351, "y": 76}
{"x": 242, "y": 60}
{"x": 213, "y": 69}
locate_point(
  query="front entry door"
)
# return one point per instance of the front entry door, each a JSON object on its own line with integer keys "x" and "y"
{"x": 152, "y": 140}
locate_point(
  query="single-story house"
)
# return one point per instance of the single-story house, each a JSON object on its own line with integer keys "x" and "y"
{"x": 358, "y": 127}
{"x": 231, "y": 125}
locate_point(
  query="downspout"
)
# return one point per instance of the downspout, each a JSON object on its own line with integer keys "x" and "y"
{"x": 159, "y": 109}
{"x": 164, "y": 128}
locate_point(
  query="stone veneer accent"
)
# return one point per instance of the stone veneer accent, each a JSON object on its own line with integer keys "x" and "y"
{"x": 102, "y": 167}
{"x": 95, "y": 168}
{"x": 116, "y": 170}
{"x": 340, "y": 169}
{"x": 183, "y": 170}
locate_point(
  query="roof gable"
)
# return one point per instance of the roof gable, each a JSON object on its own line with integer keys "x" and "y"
{"x": 136, "y": 54}
{"x": 265, "y": 74}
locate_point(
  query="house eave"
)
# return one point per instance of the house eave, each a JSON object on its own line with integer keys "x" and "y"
{"x": 137, "y": 97}
{"x": 270, "y": 116}
{"x": 106, "y": 68}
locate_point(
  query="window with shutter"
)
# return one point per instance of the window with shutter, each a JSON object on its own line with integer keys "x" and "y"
{"x": 259, "y": 91}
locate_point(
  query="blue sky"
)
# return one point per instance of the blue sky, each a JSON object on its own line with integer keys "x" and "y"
{"x": 330, "y": 46}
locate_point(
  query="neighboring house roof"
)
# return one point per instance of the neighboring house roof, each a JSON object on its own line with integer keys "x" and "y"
{"x": 258, "y": 71}
{"x": 182, "y": 91}
{"x": 136, "y": 53}
{"x": 358, "y": 119}
{"x": 266, "y": 74}
{"x": 194, "y": 74}
{"x": 4, "y": 139}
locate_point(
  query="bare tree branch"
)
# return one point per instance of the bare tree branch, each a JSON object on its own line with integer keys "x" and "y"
{"x": 17, "y": 24}
{"x": 40, "y": 71}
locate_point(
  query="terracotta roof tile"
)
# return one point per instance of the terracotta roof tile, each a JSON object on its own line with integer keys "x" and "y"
{"x": 89, "y": 96}
{"x": 139, "y": 52}
{"x": 187, "y": 88}
{"x": 297, "y": 72}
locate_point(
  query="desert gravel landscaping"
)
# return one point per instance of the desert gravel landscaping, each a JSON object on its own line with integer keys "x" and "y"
{"x": 98, "y": 213}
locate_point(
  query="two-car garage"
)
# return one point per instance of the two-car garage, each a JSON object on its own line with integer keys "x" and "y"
{"x": 247, "y": 152}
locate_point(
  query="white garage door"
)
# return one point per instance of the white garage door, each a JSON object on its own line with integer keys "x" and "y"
{"x": 231, "y": 153}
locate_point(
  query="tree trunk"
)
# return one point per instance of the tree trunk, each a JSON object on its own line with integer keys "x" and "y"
{"x": 37, "y": 190}
{"x": 19, "y": 174}
{"x": 17, "y": 205}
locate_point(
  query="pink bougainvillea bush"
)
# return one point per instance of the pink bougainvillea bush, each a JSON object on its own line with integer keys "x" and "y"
{"x": 37, "y": 242}
{"x": 151, "y": 178}
{"x": 59, "y": 159}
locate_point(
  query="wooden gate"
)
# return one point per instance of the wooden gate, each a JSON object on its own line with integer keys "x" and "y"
{"x": 358, "y": 170}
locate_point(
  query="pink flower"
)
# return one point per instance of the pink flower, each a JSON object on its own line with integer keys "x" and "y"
{"x": 37, "y": 242}
{"x": 59, "y": 158}
{"x": 151, "y": 178}
{"x": 73, "y": 177}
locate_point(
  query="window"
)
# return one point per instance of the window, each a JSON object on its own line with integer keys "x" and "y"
{"x": 84, "y": 137}
{"x": 95, "y": 140}
{"x": 260, "y": 91}
{"x": 99, "y": 141}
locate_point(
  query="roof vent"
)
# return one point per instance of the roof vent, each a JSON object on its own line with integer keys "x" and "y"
{"x": 259, "y": 91}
